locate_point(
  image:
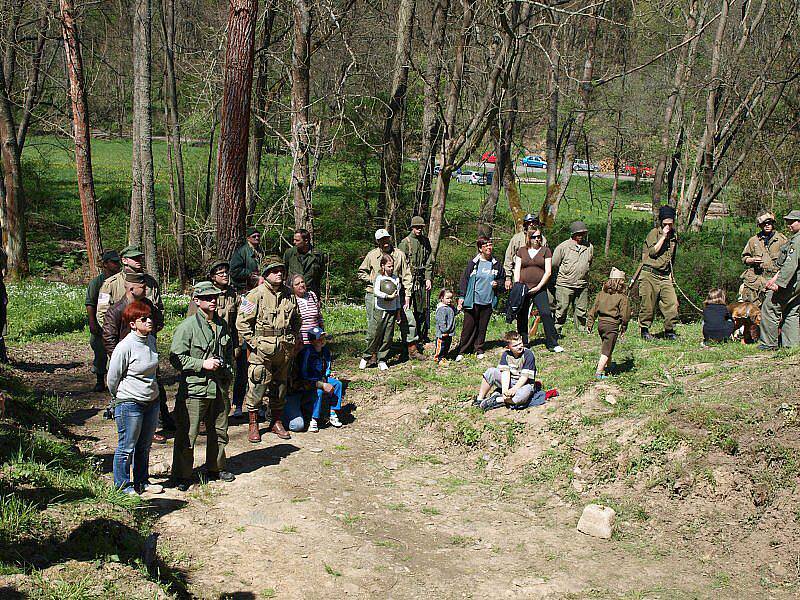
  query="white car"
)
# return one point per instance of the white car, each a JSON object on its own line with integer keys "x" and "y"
{"x": 463, "y": 176}
{"x": 477, "y": 178}
{"x": 583, "y": 165}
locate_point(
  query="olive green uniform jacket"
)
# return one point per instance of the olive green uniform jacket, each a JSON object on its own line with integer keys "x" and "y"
{"x": 420, "y": 261}
{"x": 310, "y": 265}
{"x": 656, "y": 288}
{"x": 113, "y": 289}
{"x": 244, "y": 261}
{"x": 755, "y": 277}
{"x": 572, "y": 261}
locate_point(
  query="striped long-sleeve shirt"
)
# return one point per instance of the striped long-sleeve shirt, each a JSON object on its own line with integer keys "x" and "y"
{"x": 310, "y": 314}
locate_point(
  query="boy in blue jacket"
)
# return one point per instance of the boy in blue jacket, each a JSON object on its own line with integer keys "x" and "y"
{"x": 315, "y": 371}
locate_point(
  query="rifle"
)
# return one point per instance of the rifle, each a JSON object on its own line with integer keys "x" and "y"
{"x": 635, "y": 277}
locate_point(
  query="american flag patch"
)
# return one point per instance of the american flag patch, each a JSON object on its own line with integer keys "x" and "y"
{"x": 246, "y": 307}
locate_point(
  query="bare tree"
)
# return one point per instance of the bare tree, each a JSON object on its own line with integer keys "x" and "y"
{"x": 230, "y": 209}
{"x": 80, "y": 133}
{"x": 15, "y": 233}
{"x": 301, "y": 106}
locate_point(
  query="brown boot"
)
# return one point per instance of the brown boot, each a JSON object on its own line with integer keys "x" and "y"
{"x": 278, "y": 428}
{"x": 253, "y": 434}
{"x": 414, "y": 353}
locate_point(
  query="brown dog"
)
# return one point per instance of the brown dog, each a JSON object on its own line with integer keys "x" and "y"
{"x": 747, "y": 315}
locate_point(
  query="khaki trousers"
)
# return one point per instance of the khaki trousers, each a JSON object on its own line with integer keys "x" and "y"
{"x": 578, "y": 298}
{"x": 189, "y": 413}
{"x": 657, "y": 291}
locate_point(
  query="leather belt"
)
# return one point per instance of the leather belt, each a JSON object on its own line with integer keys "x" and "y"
{"x": 271, "y": 332}
{"x": 656, "y": 271}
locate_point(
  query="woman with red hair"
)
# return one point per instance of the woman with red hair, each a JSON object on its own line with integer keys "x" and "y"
{"x": 132, "y": 382}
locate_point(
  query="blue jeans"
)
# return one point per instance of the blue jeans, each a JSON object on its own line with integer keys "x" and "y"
{"x": 337, "y": 394}
{"x": 136, "y": 424}
{"x": 298, "y": 407}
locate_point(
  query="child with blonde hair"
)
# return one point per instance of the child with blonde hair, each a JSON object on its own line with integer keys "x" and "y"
{"x": 717, "y": 320}
{"x": 612, "y": 311}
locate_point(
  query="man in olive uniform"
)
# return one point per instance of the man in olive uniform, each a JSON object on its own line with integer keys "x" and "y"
{"x": 417, "y": 248}
{"x": 303, "y": 259}
{"x": 245, "y": 262}
{"x": 201, "y": 352}
{"x": 3, "y": 307}
{"x": 760, "y": 256}
{"x": 518, "y": 240}
{"x": 656, "y": 287}
{"x": 269, "y": 322}
{"x": 572, "y": 260}
{"x": 110, "y": 265}
{"x": 227, "y": 307}
{"x": 113, "y": 288}
{"x": 781, "y": 306}
{"x": 370, "y": 268}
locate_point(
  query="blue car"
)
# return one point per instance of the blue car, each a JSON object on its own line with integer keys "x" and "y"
{"x": 534, "y": 161}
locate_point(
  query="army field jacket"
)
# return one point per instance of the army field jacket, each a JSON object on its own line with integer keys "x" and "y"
{"x": 195, "y": 340}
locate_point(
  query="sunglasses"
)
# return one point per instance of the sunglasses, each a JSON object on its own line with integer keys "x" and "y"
{"x": 770, "y": 222}
{"x": 145, "y": 319}
{"x": 536, "y": 237}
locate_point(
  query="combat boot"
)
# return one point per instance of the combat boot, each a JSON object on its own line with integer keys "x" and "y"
{"x": 414, "y": 353}
{"x": 646, "y": 335}
{"x": 100, "y": 386}
{"x": 4, "y": 352}
{"x": 253, "y": 434}
{"x": 277, "y": 426}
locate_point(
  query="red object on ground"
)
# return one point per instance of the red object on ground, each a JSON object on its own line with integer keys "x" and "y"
{"x": 550, "y": 394}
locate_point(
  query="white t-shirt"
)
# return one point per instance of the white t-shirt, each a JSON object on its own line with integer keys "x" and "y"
{"x": 381, "y": 302}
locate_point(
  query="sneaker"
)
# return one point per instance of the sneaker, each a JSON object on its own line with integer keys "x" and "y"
{"x": 600, "y": 376}
{"x": 237, "y": 413}
{"x": 334, "y": 420}
{"x": 765, "y": 347}
{"x": 494, "y": 400}
{"x": 480, "y": 355}
{"x": 477, "y": 401}
{"x": 129, "y": 491}
{"x": 150, "y": 488}
{"x": 459, "y": 358}
{"x": 383, "y": 366}
{"x": 226, "y": 476}
{"x": 557, "y": 349}
{"x": 313, "y": 426}
{"x": 363, "y": 364}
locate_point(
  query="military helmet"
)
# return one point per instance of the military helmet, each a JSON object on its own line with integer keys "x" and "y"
{"x": 110, "y": 256}
{"x": 387, "y": 286}
{"x": 764, "y": 217}
{"x": 792, "y": 216}
{"x": 417, "y": 221}
{"x": 578, "y": 227}
{"x": 272, "y": 262}
{"x": 212, "y": 269}
{"x": 530, "y": 218}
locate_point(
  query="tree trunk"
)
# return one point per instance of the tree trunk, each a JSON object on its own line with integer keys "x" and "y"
{"x": 34, "y": 88}
{"x": 16, "y": 239}
{"x": 174, "y": 139}
{"x": 230, "y": 210}
{"x": 143, "y": 148}
{"x": 392, "y": 156}
{"x": 615, "y": 185}
{"x": 80, "y": 131}
{"x": 488, "y": 207}
{"x": 431, "y": 124}
{"x": 557, "y": 191}
{"x": 552, "y": 105}
{"x": 301, "y": 126}
{"x": 259, "y": 112}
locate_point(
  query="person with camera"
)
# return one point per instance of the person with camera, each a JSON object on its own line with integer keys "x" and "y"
{"x": 201, "y": 352}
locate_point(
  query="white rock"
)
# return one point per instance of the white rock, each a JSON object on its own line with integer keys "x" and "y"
{"x": 597, "y": 521}
{"x": 577, "y": 485}
{"x": 610, "y": 399}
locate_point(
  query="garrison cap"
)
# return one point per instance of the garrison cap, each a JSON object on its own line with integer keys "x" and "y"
{"x": 578, "y": 227}
{"x": 251, "y": 230}
{"x": 131, "y": 252}
{"x": 381, "y": 233}
{"x": 764, "y": 217}
{"x": 793, "y": 216}
{"x": 272, "y": 262}
{"x": 205, "y": 288}
{"x": 616, "y": 273}
{"x": 217, "y": 264}
{"x": 110, "y": 255}
{"x": 134, "y": 277}
{"x": 417, "y": 221}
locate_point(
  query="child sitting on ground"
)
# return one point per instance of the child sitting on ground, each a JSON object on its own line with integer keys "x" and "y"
{"x": 717, "y": 320}
{"x": 445, "y": 325}
{"x": 315, "y": 372}
{"x": 515, "y": 375}
{"x": 387, "y": 309}
{"x": 612, "y": 311}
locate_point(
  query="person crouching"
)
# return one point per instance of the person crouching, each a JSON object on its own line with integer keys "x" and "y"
{"x": 201, "y": 352}
{"x": 612, "y": 311}
{"x": 315, "y": 370}
{"x": 717, "y": 320}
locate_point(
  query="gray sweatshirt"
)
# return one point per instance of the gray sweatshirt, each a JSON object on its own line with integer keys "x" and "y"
{"x": 132, "y": 370}
{"x": 445, "y": 320}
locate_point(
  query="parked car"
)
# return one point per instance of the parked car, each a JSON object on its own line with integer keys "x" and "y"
{"x": 463, "y": 176}
{"x": 535, "y": 161}
{"x": 489, "y": 177}
{"x": 583, "y": 165}
{"x": 488, "y": 157}
{"x": 477, "y": 178}
{"x": 641, "y": 170}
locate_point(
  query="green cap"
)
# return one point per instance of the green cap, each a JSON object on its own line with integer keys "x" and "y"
{"x": 131, "y": 252}
{"x": 205, "y": 288}
{"x": 417, "y": 221}
{"x": 216, "y": 265}
{"x": 272, "y": 262}
{"x": 251, "y": 230}
{"x": 793, "y": 216}
{"x": 110, "y": 255}
{"x": 134, "y": 277}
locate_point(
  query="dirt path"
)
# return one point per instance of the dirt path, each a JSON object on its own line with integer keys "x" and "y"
{"x": 378, "y": 509}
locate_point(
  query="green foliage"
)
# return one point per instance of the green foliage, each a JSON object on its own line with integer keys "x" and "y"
{"x": 37, "y": 309}
{"x": 468, "y": 426}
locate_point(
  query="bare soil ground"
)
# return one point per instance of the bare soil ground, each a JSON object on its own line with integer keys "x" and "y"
{"x": 386, "y": 507}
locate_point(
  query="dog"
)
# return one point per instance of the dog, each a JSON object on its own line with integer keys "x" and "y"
{"x": 746, "y": 320}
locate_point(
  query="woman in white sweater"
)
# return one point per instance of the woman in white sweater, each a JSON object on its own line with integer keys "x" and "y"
{"x": 132, "y": 382}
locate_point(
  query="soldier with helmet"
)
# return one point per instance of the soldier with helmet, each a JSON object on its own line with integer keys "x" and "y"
{"x": 269, "y": 323}
{"x": 781, "y": 308}
{"x": 571, "y": 260}
{"x": 519, "y": 240}
{"x": 760, "y": 256}
{"x": 417, "y": 248}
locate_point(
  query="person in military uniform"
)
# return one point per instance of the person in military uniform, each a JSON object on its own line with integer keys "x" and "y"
{"x": 110, "y": 265}
{"x": 656, "y": 286}
{"x": 3, "y": 307}
{"x": 227, "y": 307}
{"x": 517, "y": 241}
{"x": 245, "y": 262}
{"x": 572, "y": 260}
{"x": 370, "y": 268}
{"x": 417, "y": 248}
{"x": 269, "y": 322}
{"x": 781, "y": 308}
{"x": 201, "y": 352}
{"x": 303, "y": 259}
{"x": 113, "y": 288}
{"x": 760, "y": 256}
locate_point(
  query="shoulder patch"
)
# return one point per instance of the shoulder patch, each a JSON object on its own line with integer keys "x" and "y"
{"x": 103, "y": 298}
{"x": 246, "y": 307}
